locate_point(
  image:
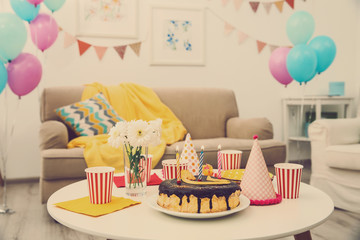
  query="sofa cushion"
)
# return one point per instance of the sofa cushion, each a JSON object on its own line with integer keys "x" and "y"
{"x": 63, "y": 163}
{"x": 90, "y": 117}
{"x": 343, "y": 156}
{"x": 202, "y": 111}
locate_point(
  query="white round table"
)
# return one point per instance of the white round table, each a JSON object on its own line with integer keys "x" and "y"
{"x": 290, "y": 217}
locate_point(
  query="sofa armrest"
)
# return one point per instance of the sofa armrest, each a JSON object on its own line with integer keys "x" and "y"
{"x": 53, "y": 134}
{"x": 246, "y": 128}
{"x": 335, "y": 131}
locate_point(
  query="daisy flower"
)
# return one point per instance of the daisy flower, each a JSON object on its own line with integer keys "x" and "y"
{"x": 138, "y": 133}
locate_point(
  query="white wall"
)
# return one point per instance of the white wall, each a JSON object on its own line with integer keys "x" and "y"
{"x": 228, "y": 65}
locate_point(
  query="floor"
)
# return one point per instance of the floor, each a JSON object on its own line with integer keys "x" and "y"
{"x": 31, "y": 220}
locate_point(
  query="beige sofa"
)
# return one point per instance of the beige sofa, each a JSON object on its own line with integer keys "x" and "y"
{"x": 209, "y": 115}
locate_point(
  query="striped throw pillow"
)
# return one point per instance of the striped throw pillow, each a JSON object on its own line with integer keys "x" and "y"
{"x": 90, "y": 117}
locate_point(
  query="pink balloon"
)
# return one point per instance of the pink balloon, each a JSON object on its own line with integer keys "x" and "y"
{"x": 277, "y": 65}
{"x": 44, "y": 31}
{"x": 24, "y": 74}
{"x": 35, "y": 2}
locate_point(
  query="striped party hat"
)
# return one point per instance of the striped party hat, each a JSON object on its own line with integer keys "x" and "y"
{"x": 256, "y": 183}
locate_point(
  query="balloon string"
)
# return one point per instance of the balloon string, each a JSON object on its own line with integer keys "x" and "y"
{"x": 302, "y": 117}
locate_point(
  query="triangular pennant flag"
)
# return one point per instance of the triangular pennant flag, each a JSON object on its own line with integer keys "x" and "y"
{"x": 68, "y": 40}
{"x": 256, "y": 183}
{"x": 291, "y": 3}
{"x": 267, "y": 6}
{"x": 136, "y": 48}
{"x": 83, "y": 47}
{"x": 242, "y": 37}
{"x": 279, "y": 5}
{"x": 237, "y": 4}
{"x": 254, "y": 6}
{"x": 272, "y": 48}
{"x": 228, "y": 29}
{"x": 260, "y": 45}
{"x": 189, "y": 154}
{"x": 120, "y": 50}
{"x": 100, "y": 51}
{"x": 224, "y": 2}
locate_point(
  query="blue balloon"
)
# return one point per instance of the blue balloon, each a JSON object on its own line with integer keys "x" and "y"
{"x": 13, "y": 36}
{"x": 301, "y": 63}
{"x": 25, "y": 10}
{"x": 325, "y": 50}
{"x": 54, "y": 5}
{"x": 300, "y": 27}
{"x": 3, "y": 77}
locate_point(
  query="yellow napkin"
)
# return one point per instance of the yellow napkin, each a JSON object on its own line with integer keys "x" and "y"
{"x": 83, "y": 206}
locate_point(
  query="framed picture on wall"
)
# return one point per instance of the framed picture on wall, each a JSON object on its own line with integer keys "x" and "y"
{"x": 177, "y": 35}
{"x": 107, "y": 18}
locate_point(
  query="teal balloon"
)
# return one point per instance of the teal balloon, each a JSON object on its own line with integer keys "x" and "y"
{"x": 13, "y": 36}
{"x": 25, "y": 10}
{"x": 54, "y": 5}
{"x": 301, "y": 63}
{"x": 3, "y": 77}
{"x": 300, "y": 27}
{"x": 325, "y": 50}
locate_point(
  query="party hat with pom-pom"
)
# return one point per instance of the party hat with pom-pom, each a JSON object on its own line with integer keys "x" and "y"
{"x": 256, "y": 183}
{"x": 189, "y": 154}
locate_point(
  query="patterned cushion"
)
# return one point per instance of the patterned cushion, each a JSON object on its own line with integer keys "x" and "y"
{"x": 90, "y": 117}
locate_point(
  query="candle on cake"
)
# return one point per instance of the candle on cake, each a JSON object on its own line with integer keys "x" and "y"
{"x": 178, "y": 174}
{"x": 219, "y": 161}
{"x": 201, "y": 163}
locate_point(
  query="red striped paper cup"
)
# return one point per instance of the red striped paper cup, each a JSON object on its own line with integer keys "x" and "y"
{"x": 230, "y": 159}
{"x": 100, "y": 182}
{"x": 169, "y": 168}
{"x": 288, "y": 176}
{"x": 147, "y": 167}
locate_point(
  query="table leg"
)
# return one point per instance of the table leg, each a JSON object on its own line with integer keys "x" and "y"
{"x": 303, "y": 236}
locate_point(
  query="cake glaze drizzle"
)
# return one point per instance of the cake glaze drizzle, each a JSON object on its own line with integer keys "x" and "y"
{"x": 170, "y": 187}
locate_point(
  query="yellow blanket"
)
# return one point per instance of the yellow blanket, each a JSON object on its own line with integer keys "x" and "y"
{"x": 131, "y": 102}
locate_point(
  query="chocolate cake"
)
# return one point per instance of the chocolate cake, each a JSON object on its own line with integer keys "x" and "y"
{"x": 193, "y": 196}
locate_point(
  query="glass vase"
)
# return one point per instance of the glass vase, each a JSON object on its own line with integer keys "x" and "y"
{"x": 135, "y": 170}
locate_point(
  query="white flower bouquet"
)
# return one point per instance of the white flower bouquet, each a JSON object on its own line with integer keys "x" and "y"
{"x": 133, "y": 136}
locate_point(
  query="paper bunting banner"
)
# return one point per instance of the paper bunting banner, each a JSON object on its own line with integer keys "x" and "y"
{"x": 254, "y": 6}
{"x": 242, "y": 37}
{"x": 83, "y": 47}
{"x": 228, "y": 29}
{"x": 136, "y": 48}
{"x": 224, "y": 2}
{"x": 272, "y": 48}
{"x": 260, "y": 45}
{"x": 279, "y": 5}
{"x": 267, "y": 5}
{"x": 291, "y": 3}
{"x": 120, "y": 50}
{"x": 68, "y": 40}
{"x": 100, "y": 51}
{"x": 237, "y": 4}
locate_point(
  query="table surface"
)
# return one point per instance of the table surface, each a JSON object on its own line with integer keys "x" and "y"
{"x": 290, "y": 217}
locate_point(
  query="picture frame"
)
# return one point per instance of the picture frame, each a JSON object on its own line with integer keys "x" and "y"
{"x": 177, "y": 35}
{"x": 107, "y": 18}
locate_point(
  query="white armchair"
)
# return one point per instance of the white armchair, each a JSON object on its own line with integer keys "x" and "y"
{"x": 335, "y": 160}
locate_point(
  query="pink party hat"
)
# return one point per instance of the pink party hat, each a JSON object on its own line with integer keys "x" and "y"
{"x": 256, "y": 183}
{"x": 189, "y": 154}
